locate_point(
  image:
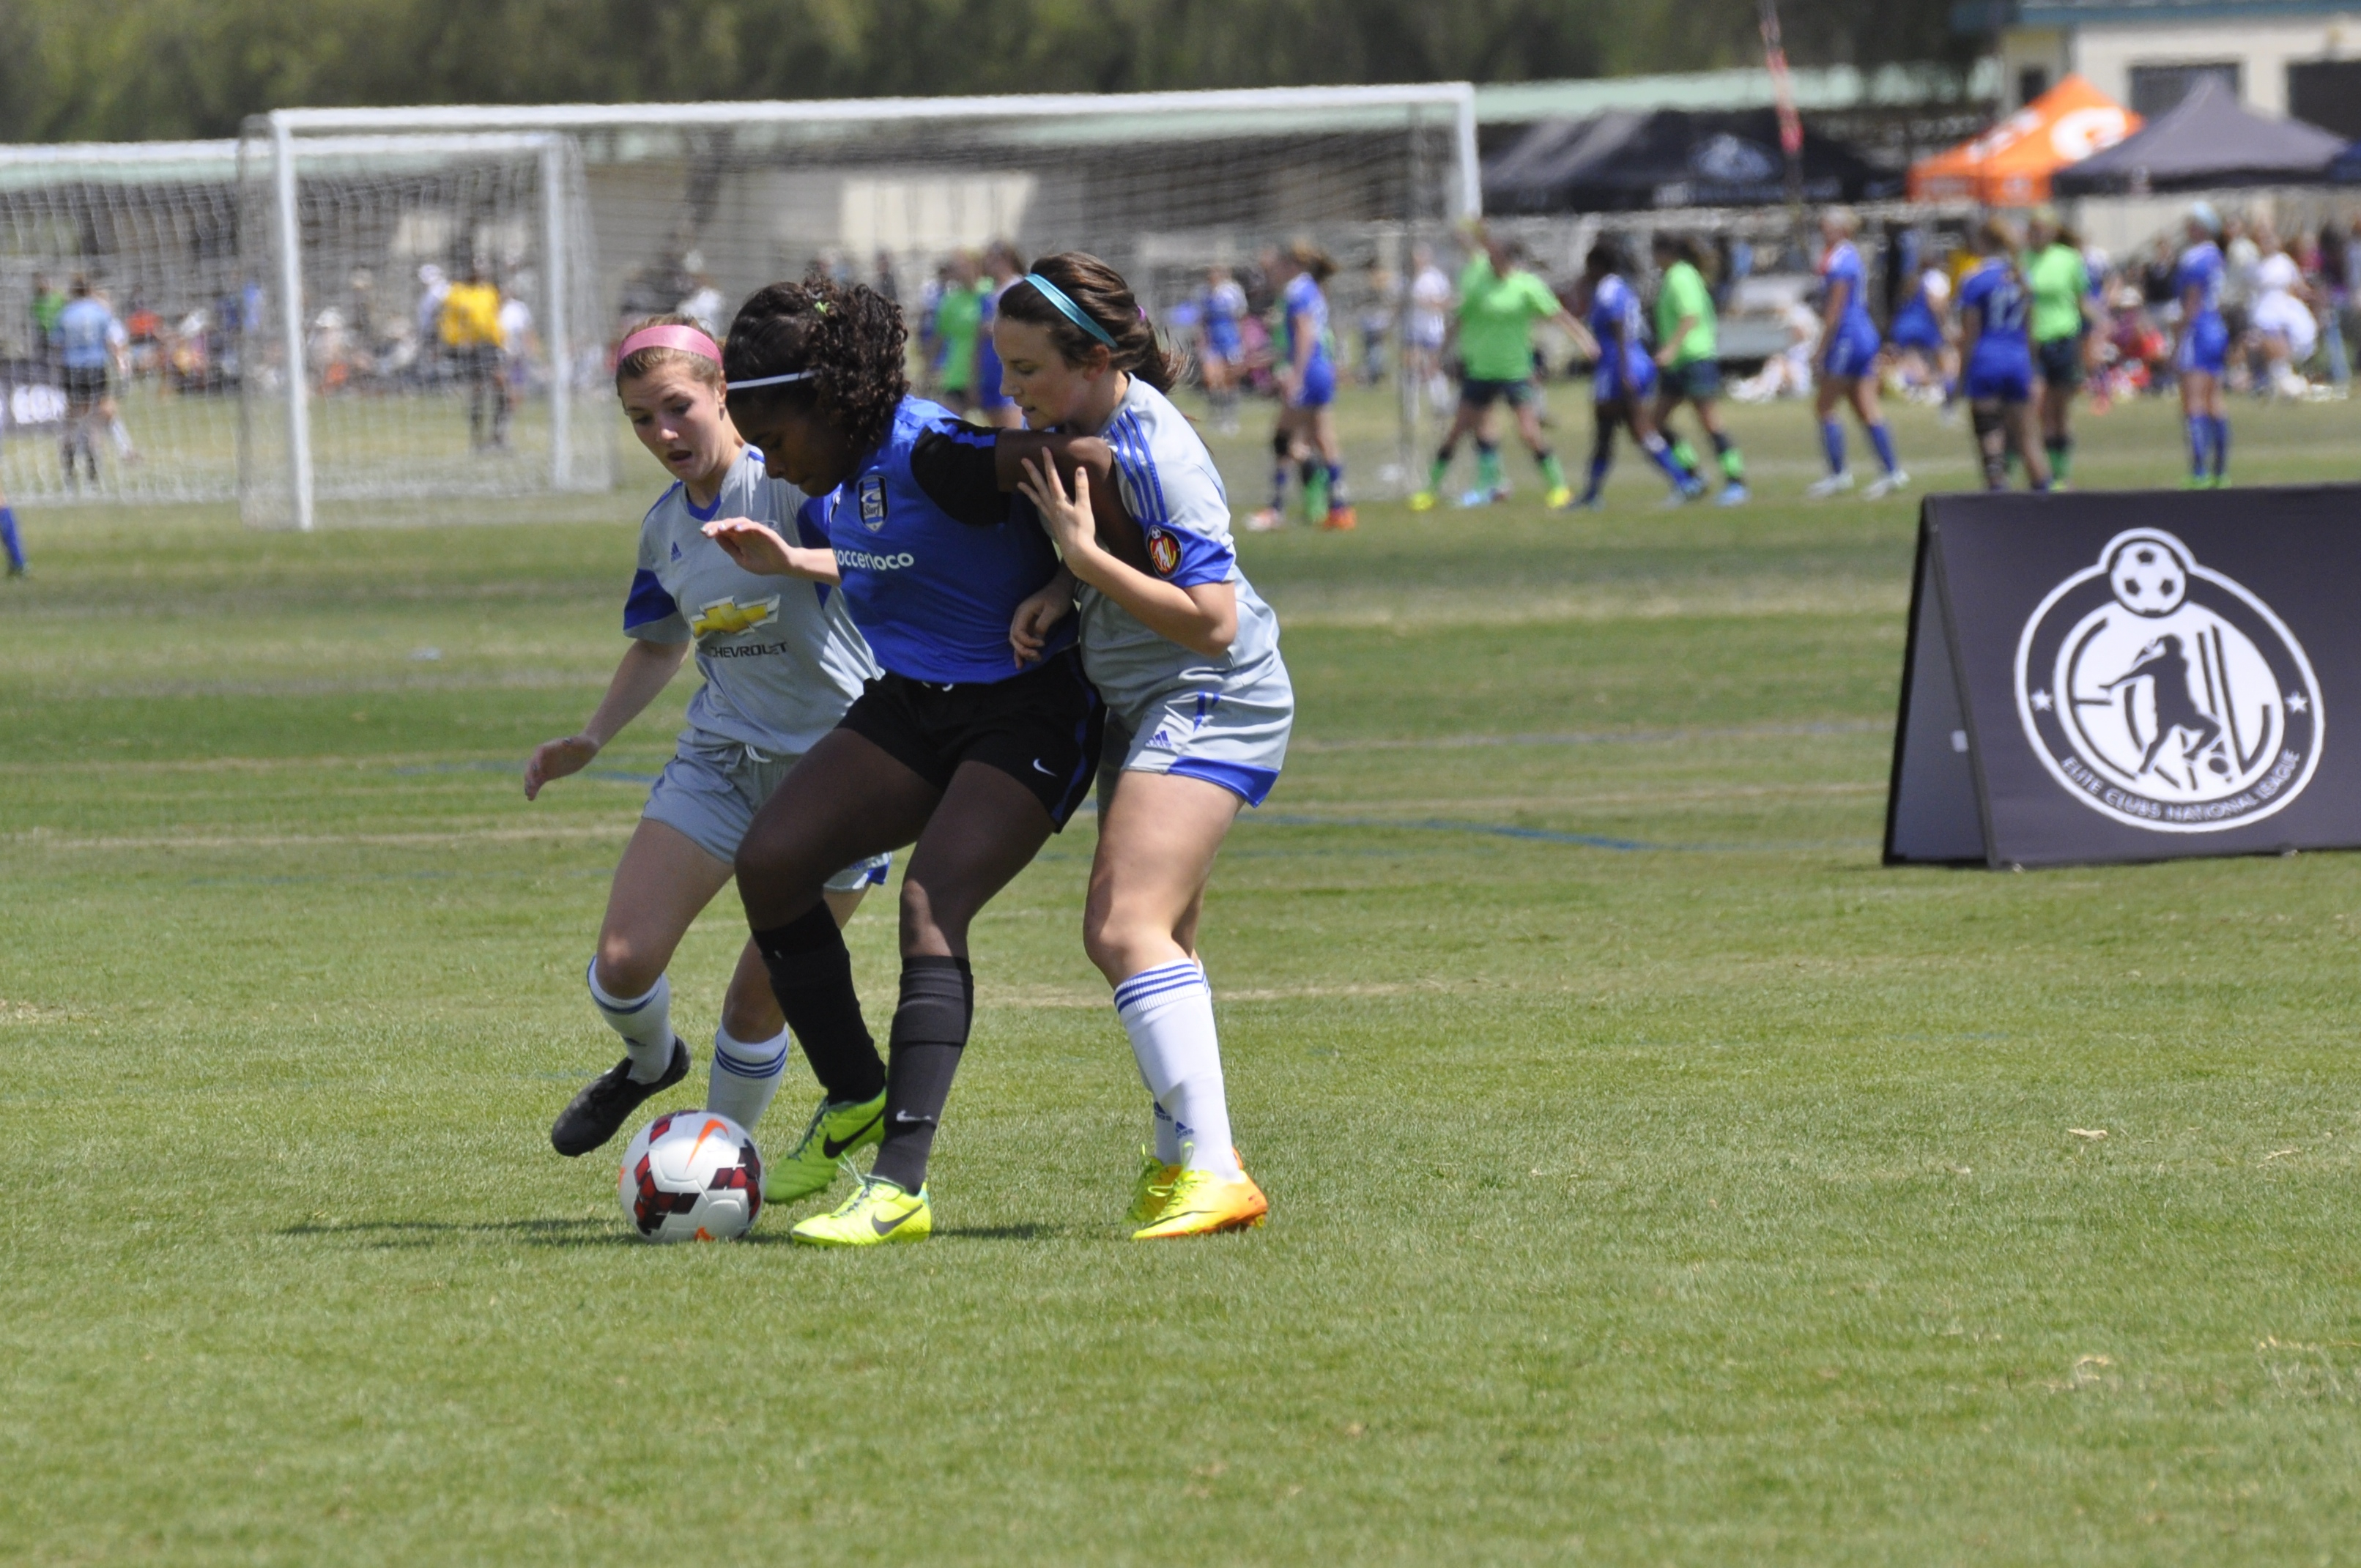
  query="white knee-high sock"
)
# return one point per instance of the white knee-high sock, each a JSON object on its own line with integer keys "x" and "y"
{"x": 1169, "y": 1013}
{"x": 744, "y": 1076}
{"x": 644, "y": 1022}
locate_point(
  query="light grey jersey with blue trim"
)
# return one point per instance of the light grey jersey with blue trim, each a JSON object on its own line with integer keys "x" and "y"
{"x": 781, "y": 658}
{"x": 1170, "y": 485}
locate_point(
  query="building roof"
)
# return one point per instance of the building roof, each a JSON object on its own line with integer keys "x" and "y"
{"x": 1820, "y": 88}
{"x": 1990, "y": 15}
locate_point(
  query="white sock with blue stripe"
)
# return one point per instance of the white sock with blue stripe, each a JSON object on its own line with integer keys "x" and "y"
{"x": 644, "y": 1022}
{"x": 1167, "y": 1011}
{"x": 744, "y": 1076}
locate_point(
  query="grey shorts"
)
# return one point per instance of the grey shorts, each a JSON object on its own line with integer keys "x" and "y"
{"x": 1236, "y": 739}
{"x": 711, "y": 792}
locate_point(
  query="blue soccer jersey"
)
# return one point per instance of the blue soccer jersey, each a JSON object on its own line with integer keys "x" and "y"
{"x": 1304, "y": 309}
{"x": 1616, "y": 318}
{"x": 85, "y": 331}
{"x": 2200, "y": 268}
{"x": 933, "y": 592}
{"x": 1994, "y": 292}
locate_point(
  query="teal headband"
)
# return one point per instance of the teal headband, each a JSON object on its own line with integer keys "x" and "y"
{"x": 1068, "y": 308}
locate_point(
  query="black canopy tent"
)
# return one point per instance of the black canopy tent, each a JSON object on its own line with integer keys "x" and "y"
{"x": 2206, "y": 142}
{"x": 1630, "y": 160}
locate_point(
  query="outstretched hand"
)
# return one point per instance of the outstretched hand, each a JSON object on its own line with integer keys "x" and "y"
{"x": 556, "y": 760}
{"x": 754, "y": 546}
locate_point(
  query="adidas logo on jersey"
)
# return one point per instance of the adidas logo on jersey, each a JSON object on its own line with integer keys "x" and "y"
{"x": 725, "y": 617}
{"x": 675, "y": 549}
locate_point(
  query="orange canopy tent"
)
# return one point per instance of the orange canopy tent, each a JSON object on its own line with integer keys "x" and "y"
{"x": 2010, "y": 165}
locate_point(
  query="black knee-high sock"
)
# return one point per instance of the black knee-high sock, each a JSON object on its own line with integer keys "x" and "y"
{"x": 811, "y": 974}
{"x": 930, "y": 1032}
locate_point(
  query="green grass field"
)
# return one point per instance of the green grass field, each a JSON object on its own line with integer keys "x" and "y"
{"x": 1655, "y": 1177}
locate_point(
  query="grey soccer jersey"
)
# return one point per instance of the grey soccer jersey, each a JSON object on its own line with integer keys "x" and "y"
{"x": 1170, "y": 485}
{"x": 780, "y": 656}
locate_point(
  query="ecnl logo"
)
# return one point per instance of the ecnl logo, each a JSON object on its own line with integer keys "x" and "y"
{"x": 2166, "y": 695}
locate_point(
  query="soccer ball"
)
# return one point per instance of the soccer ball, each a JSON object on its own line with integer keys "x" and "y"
{"x": 2149, "y": 573}
{"x": 691, "y": 1176}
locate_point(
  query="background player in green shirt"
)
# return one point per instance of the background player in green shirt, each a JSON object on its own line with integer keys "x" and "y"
{"x": 1689, "y": 354}
{"x": 959, "y": 321}
{"x": 1498, "y": 303}
{"x": 2059, "y": 281}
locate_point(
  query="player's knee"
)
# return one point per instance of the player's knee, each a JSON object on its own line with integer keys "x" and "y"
{"x": 934, "y": 920}
{"x": 624, "y": 965}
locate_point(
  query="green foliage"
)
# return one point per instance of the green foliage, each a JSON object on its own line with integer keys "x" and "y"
{"x": 149, "y": 69}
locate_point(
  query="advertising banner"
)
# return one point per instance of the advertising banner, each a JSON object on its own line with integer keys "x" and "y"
{"x": 2131, "y": 676}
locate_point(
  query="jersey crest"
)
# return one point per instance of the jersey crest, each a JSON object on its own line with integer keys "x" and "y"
{"x": 872, "y": 501}
{"x": 1163, "y": 552}
{"x": 726, "y": 618}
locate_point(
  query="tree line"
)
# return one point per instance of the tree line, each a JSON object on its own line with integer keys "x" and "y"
{"x": 142, "y": 70}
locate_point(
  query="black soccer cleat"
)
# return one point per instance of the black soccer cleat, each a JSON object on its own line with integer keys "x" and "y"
{"x": 606, "y": 1101}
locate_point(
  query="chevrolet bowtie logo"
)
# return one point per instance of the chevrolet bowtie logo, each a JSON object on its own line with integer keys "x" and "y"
{"x": 728, "y": 616}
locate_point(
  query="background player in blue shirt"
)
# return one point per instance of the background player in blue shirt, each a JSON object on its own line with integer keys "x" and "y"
{"x": 1847, "y": 361}
{"x": 2203, "y": 346}
{"x": 1626, "y": 375}
{"x": 88, "y": 338}
{"x": 1996, "y": 359}
{"x": 1221, "y": 352}
{"x": 1306, "y": 370}
{"x": 1001, "y": 269}
{"x": 955, "y": 746}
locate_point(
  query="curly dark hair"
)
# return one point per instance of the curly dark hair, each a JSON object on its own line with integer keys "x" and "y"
{"x": 1099, "y": 291}
{"x": 849, "y": 333}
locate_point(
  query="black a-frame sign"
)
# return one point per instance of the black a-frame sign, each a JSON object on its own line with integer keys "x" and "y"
{"x": 2130, "y": 676}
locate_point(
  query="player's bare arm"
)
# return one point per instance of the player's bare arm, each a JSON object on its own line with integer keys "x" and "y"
{"x": 646, "y": 669}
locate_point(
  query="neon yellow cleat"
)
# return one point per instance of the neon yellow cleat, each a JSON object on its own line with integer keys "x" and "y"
{"x": 1154, "y": 1186}
{"x": 878, "y": 1212}
{"x": 1202, "y": 1202}
{"x": 835, "y": 1132}
{"x": 1424, "y": 501}
{"x": 1560, "y": 499}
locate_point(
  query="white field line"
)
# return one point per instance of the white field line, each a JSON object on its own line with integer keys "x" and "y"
{"x": 44, "y": 838}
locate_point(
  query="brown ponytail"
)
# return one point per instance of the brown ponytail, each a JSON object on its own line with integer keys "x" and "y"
{"x": 1099, "y": 291}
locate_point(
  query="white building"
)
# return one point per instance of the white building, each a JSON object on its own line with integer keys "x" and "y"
{"x": 2295, "y": 58}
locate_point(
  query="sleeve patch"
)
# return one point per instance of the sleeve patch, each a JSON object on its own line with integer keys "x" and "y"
{"x": 1163, "y": 552}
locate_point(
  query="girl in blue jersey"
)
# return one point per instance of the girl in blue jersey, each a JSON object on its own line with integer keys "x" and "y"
{"x": 2203, "y": 346}
{"x": 1307, "y": 386}
{"x": 1001, "y": 269}
{"x": 1626, "y": 375}
{"x": 780, "y": 663}
{"x": 1221, "y": 353}
{"x": 956, "y": 747}
{"x": 1996, "y": 359}
{"x": 1199, "y": 706}
{"x": 1847, "y": 361}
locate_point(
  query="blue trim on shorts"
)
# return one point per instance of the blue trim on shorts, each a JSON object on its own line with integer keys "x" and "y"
{"x": 1252, "y": 786}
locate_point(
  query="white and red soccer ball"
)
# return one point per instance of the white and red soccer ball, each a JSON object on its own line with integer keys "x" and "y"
{"x": 691, "y": 1176}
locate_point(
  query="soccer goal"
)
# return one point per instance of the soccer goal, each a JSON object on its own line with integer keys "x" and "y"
{"x": 149, "y": 230}
{"x": 693, "y": 206}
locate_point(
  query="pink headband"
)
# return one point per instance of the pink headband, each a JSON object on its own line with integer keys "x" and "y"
{"x": 688, "y": 339}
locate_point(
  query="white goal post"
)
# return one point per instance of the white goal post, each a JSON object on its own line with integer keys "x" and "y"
{"x": 640, "y": 208}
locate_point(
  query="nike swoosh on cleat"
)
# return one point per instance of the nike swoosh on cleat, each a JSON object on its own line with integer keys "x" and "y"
{"x": 830, "y": 1148}
{"x": 882, "y": 1229}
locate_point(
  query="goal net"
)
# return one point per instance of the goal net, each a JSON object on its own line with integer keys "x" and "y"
{"x": 648, "y": 208}
{"x": 412, "y": 339}
{"x": 151, "y": 231}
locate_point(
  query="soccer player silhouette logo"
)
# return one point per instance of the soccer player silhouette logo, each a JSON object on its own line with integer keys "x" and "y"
{"x": 2175, "y": 708}
{"x": 2164, "y": 694}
